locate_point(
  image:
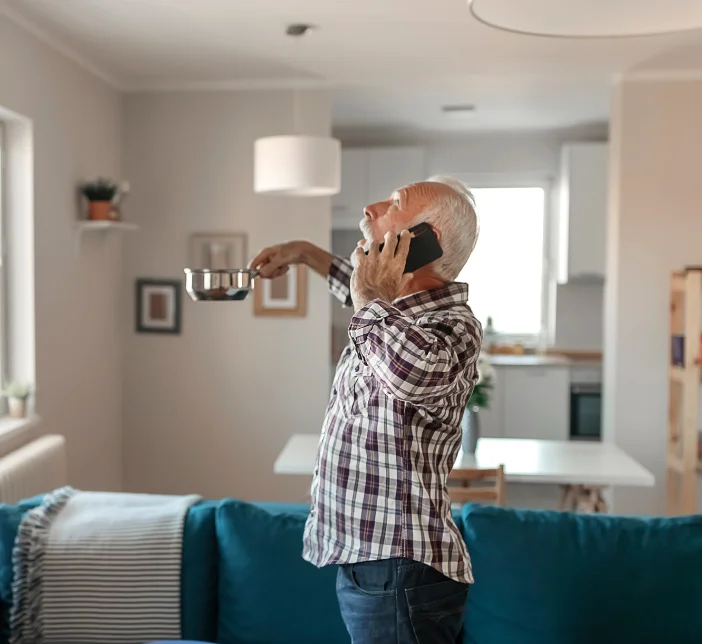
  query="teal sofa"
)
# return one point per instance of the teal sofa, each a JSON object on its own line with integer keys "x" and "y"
{"x": 540, "y": 577}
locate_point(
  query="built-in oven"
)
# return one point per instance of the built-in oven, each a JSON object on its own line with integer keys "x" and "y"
{"x": 586, "y": 411}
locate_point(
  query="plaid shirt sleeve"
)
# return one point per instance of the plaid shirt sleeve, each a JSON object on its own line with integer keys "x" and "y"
{"x": 415, "y": 361}
{"x": 340, "y": 280}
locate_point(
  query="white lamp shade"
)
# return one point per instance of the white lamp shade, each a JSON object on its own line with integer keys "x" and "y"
{"x": 300, "y": 166}
{"x": 589, "y": 18}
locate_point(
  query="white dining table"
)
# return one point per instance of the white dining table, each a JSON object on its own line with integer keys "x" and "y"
{"x": 583, "y": 469}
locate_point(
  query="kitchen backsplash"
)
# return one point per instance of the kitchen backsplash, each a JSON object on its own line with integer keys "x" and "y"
{"x": 579, "y": 322}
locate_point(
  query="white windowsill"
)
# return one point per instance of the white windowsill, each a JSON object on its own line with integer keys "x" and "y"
{"x": 11, "y": 427}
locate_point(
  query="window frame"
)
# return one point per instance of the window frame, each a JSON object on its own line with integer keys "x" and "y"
{"x": 4, "y": 340}
{"x": 548, "y": 282}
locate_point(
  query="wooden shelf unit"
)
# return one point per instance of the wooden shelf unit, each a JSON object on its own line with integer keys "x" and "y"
{"x": 683, "y": 463}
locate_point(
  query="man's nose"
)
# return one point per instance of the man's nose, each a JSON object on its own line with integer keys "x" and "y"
{"x": 372, "y": 211}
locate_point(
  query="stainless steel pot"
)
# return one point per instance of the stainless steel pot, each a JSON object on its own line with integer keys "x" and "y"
{"x": 232, "y": 284}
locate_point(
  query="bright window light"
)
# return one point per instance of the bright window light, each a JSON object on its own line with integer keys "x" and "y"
{"x": 505, "y": 271}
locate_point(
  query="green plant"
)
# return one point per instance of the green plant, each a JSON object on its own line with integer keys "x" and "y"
{"x": 483, "y": 388}
{"x": 481, "y": 395}
{"x": 16, "y": 390}
{"x": 99, "y": 190}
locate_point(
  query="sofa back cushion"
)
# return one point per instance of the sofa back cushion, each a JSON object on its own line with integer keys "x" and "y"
{"x": 267, "y": 593}
{"x": 560, "y": 578}
{"x": 199, "y": 573}
{"x": 10, "y": 519}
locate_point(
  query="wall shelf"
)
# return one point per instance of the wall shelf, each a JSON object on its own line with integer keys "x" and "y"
{"x": 683, "y": 462}
{"x": 87, "y": 226}
{"x": 91, "y": 226}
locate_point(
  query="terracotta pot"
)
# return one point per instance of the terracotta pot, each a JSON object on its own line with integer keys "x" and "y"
{"x": 18, "y": 407}
{"x": 100, "y": 211}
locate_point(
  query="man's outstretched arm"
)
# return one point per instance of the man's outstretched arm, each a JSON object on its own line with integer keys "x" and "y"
{"x": 275, "y": 261}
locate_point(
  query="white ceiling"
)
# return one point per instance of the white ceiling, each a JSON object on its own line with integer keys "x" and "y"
{"x": 390, "y": 62}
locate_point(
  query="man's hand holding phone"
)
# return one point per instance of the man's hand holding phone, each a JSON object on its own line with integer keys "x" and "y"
{"x": 379, "y": 275}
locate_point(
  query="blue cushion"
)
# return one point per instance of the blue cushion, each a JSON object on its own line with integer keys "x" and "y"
{"x": 268, "y": 593}
{"x": 10, "y": 518}
{"x": 560, "y": 578}
{"x": 199, "y": 573}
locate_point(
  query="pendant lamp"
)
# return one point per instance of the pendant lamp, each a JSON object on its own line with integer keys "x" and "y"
{"x": 297, "y": 165}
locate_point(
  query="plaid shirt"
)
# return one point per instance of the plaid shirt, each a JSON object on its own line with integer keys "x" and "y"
{"x": 392, "y": 432}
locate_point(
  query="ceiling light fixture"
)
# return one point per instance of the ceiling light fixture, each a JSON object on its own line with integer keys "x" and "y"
{"x": 589, "y": 18}
{"x": 297, "y": 165}
{"x": 463, "y": 110}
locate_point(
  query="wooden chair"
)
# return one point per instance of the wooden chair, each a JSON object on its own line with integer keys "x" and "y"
{"x": 478, "y": 486}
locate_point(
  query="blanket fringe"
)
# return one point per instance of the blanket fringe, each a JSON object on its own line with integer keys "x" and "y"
{"x": 26, "y": 619}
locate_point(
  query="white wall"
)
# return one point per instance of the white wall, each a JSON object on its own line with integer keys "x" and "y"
{"x": 655, "y": 227}
{"x": 74, "y": 123}
{"x": 209, "y": 410}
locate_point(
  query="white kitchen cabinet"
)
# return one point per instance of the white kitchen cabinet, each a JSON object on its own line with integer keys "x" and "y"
{"x": 369, "y": 175}
{"x": 536, "y": 402}
{"x": 392, "y": 168}
{"x": 583, "y": 208}
{"x": 586, "y": 373}
{"x": 348, "y": 204}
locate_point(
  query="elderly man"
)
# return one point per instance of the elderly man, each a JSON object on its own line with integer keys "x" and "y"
{"x": 380, "y": 507}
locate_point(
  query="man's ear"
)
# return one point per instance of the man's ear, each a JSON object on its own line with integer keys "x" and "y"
{"x": 437, "y": 232}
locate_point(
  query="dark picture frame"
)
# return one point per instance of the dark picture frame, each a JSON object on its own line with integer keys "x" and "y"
{"x": 158, "y": 306}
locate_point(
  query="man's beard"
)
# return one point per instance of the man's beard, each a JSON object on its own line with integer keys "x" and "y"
{"x": 367, "y": 231}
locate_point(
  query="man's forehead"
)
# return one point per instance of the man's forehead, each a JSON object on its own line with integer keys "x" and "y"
{"x": 419, "y": 188}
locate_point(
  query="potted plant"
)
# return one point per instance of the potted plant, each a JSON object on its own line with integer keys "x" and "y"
{"x": 17, "y": 394}
{"x": 100, "y": 195}
{"x": 479, "y": 399}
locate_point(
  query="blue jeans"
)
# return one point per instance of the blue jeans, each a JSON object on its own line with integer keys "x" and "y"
{"x": 399, "y": 601}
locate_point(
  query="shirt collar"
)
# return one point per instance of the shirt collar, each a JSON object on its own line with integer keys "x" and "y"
{"x": 435, "y": 298}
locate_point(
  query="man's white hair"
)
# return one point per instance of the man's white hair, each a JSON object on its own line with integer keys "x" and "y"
{"x": 454, "y": 215}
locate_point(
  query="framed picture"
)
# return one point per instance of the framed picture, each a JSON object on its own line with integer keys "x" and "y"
{"x": 158, "y": 306}
{"x": 285, "y": 296}
{"x": 217, "y": 251}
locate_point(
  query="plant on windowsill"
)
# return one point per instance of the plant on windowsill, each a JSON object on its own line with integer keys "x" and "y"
{"x": 479, "y": 399}
{"x": 17, "y": 394}
{"x": 103, "y": 198}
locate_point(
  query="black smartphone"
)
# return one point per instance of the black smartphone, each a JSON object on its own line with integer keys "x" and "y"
{"x": 424, "y": 247}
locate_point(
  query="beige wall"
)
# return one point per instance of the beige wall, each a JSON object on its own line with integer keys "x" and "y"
{"x": 76, "y": 131}
{"x": 655, "y": 227}
{"x": 209, "y": 410}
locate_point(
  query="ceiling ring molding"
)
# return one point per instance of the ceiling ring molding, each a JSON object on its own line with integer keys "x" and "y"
{"x": 567, "y": 20}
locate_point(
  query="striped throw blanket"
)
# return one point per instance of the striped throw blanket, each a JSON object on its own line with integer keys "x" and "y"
{"x": 99, "y": 567}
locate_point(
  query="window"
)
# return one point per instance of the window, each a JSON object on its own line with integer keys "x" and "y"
{"x": 506, "y": 270}
{"x": 3, "y": 308}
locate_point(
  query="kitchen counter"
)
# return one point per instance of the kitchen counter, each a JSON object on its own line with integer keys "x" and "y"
{"x": 529, "y": 361}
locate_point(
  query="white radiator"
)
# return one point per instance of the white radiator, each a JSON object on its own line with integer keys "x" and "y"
{"x": 35, "y": 468}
